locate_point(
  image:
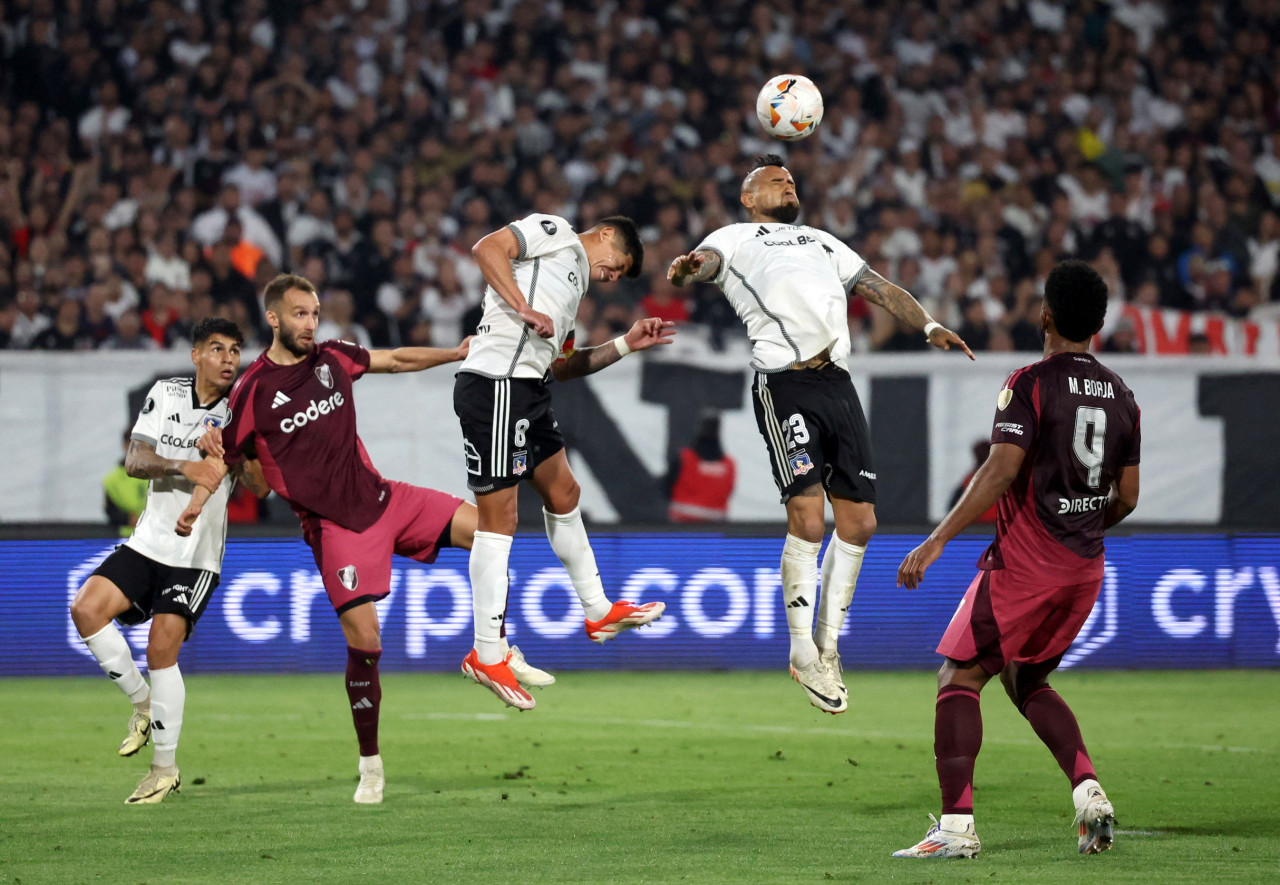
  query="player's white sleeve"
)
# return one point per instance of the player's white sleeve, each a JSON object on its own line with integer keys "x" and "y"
{"x": 723, "y": 243}
{"x": 147, "y": 427}
{"x": 540, "y": 235}
{"x": 849, "y": 265}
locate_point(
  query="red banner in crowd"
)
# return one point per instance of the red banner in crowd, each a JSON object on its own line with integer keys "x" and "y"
{"x": 1169, "y": 332}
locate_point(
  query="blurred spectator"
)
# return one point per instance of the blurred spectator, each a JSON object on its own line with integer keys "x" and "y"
{"x": 981, "y": 449}
{"x": 30, "y": 320}
{"x": 665, "y": 301}
{"x": 129, "y": 334}
{"x": 165, "y": 265}
{"x": 67, "y": 331}
{"x": 1123, "y": 338}
{"x": 123, "y": 496}
{"x": 337, "y": 320}
{"x": 701, "y": 477}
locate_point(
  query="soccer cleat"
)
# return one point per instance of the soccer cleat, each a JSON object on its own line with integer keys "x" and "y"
{"x": 527, "y": 674}
{"x": 623, "y": 616}
{"x": 1095, "y": 817}
{"x": 831, "y": 659}
{"x": 822, "y": 687}
{"x": 158, "y": 783}
{"x": 940, "y": 843}
{"x": 372, "y": 780}
{"x": 139, "y": 734}
{"x": 499, "y": 679}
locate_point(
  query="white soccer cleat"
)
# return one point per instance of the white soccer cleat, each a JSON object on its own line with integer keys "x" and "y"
{"x": 831, "y": 660}
{"x": 623, "y": 616}
{"x": 527, "y": 674}
{"x": 1095, "y": 817}
{"x": 822, "y": 687}
{"x": 499, "y": 679}
{"x": 158, "y": 783}
{"x": 940, "y": 843}
{"x": 139, "y": 734}
{"x": 372, "y": 781}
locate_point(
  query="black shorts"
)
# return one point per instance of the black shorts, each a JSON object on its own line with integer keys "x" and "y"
{"x": 507, "y": 429}
{"x": 155, "y": 589}
{"x": 813, "y": 426}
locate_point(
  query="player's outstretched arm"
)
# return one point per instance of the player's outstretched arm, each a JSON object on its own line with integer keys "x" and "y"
{"x": 142, "y": 462}
{"x": 247, "y": 471}
{"x": 416, "y": 359}
{"x": 995, "y": 475}
{"x": 1122, "y": 499}
{"x": 899, "y": 302}
{"x": 493, "y": 255}
{"x": 646, "y": 333}
{"x": 698, "y": 266}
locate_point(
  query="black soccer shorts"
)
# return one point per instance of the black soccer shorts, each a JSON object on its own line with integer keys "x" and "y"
{"x": 814, "y": 428}
{"x": 508, "y": 429}
{"x": 154, "y": 588}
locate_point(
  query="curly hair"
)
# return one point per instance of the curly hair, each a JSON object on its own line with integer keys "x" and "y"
{"x": 1076, "y": 296}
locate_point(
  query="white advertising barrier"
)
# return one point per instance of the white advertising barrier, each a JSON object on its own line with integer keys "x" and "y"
{"x": 62, "y": 415}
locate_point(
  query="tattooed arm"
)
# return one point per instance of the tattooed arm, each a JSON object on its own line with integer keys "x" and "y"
{"x": 142, "y": 462}
{"x": 696, "y": 267}
{"x": 898, "y": 301}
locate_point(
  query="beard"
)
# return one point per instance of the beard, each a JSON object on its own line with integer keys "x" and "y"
{"x": 291, "y": 343}
{"x": 783, "y": 212}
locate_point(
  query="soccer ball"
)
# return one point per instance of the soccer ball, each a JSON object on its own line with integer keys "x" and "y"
{"x": 789, "y": 107}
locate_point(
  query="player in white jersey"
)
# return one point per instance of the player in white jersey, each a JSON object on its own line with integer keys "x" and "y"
{"x": 156, "y": 574}
{"x": 789, "y": 284}
{"x": 537, "y": 269}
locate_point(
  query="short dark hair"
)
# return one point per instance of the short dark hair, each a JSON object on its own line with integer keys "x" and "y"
{"x": 274, "y": 293}
{"x": 1076, "y": 296}
{"x": 767, "y": 160}
{"x": 631, "y": 243}
{"x": 210, "y": 326}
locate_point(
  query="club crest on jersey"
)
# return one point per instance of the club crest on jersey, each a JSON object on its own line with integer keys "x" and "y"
{"x": 211, "y": 422}
{"x": 549, "y": 227}
{"x": 325, "y": 376}
{"x": 519, "y": 463}
{"x": 801, "y": 463}
{"x": 347, "y": 575}
{"x": 1006, "y": 397}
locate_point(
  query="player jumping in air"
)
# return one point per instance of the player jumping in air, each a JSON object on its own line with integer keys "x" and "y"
{"x": 293, "y": 410}
{"x": 789, "y": 284}
{"x": 156, "y": 574}
{"x": 537, "y": 269}
{"x": 1063, "y": 468}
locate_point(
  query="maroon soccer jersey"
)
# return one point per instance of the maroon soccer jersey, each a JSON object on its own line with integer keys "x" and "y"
{"x": 1079, "y": 424}
{"x": 300, "y": 422}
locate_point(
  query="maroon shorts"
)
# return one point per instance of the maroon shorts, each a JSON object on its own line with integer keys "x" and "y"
{"x": 1002, "y": 620}
{"x": 356, "y": 566}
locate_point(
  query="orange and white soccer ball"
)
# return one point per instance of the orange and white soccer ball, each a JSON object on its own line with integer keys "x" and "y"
{"x": 789, "y": 107}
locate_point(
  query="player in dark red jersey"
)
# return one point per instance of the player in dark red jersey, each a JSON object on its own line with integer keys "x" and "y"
{"x": 1063, "y": 468}
{"x": 292, "y": 409}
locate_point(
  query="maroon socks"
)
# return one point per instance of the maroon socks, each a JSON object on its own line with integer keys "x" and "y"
{"x": 365, "y": 693}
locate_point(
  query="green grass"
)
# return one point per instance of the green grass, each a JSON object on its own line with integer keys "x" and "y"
{"x": 633, "y": 777}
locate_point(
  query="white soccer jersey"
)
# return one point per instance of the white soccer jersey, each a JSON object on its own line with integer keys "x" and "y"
{"x": 552, "y": 271}
{"x": 172, "y": 421}
{"x": 789, "y": 284}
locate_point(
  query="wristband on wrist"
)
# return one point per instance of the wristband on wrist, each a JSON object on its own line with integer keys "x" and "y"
{"x": 621, "y": 343}
{"x": 930, "y": 326}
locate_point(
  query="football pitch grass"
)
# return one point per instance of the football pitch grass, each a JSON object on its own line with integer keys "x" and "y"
{"x": 634, "y": 777}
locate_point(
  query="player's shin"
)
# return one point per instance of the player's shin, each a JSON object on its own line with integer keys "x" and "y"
{"x": 568, "y": 537}
{"x": 490, "y": 553}
{"x": 799, "y": 589}
{"x": 1056, "y": 726}
{"x": 364, "y": 691}
{"x": 112, "y": 653}
{"x": 957, "y": 738}
{"x": 168, "y": 699}
{"x": 840, "y": 566}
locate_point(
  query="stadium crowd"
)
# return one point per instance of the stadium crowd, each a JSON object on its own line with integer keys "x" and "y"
{"x": 161, "y": 159}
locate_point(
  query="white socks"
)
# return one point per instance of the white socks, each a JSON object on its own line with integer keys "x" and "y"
{"x": 168, "y": 698}
{"x": 490, "y": 553}
{"x": 799, "y": 589}
{"x": 111, "y": 651}
{"x": 840, "y": 566}
{"x": 568, "y": 539}
{"x": 956, "y": 823}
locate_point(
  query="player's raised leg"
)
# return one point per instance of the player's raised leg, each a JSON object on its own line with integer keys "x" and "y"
{"x": 554, "y": 482}
{"x": 1055, "y": 724}
{"x": 799, "y": 568}
{"x": 486, "y": 663}
{"x": 364, "y": 691}
{"x": 168, "y": 701}
{"x": 841, "y": 563}
{"x": 92, "y": 611}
